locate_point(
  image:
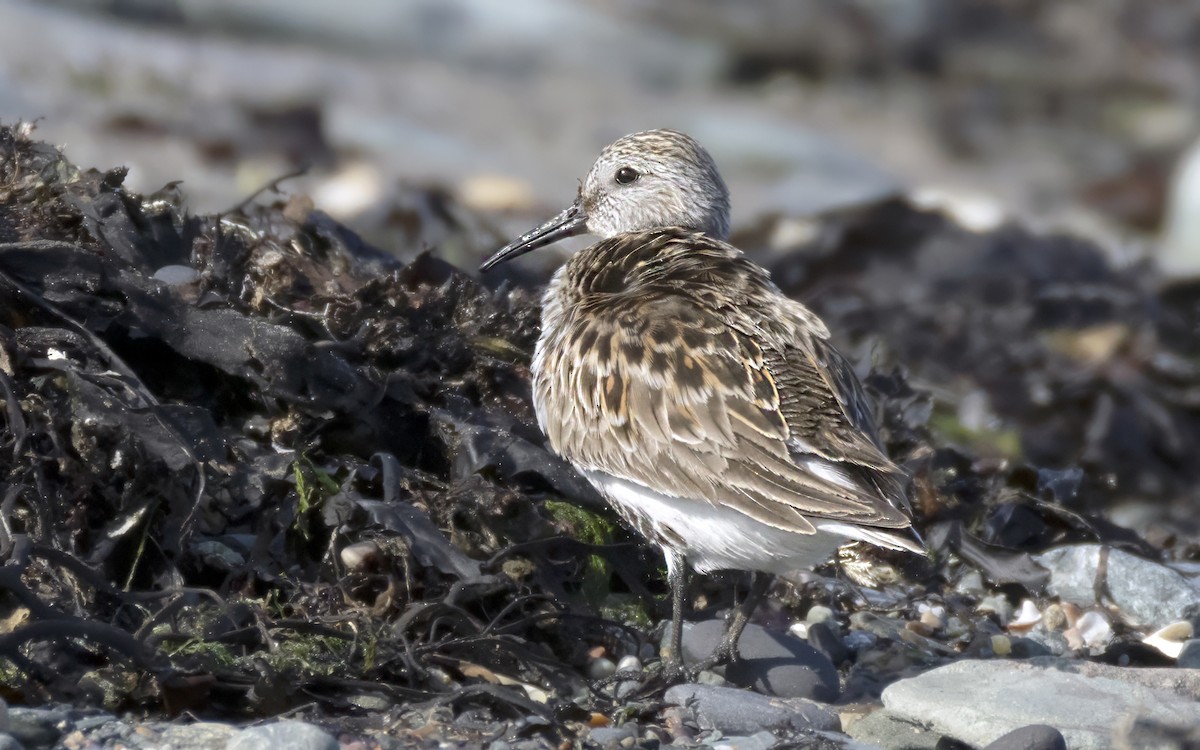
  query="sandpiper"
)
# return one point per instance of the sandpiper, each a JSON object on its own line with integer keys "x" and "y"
{"x": 707, "y": 407}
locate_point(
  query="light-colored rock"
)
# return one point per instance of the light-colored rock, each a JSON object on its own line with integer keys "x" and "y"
{"x": 979, "y": 701}
{"x": 736, "y": 711}
{"x": 296, "y": 735}
{"x": 1147, "y": 593}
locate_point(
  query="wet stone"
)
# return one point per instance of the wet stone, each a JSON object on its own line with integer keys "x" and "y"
{"x": 8, "y": 742}
{"x": 771, "y": 663}
{"x": 735, "y": 711}
{"x": 1032, "y": 737}
{"x": 291, "y": 734}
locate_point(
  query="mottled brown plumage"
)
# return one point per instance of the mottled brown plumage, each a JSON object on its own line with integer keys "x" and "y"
{"x": 709, "y": 408}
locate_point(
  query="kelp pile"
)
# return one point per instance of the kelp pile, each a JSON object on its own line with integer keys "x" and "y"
{"x": 252, "y": 463}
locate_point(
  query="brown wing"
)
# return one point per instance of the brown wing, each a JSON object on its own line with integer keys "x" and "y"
{"x": 667, "y": 393}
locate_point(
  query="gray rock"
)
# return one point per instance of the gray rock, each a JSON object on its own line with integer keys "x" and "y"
{"x": 611, "y": 737}
{"x": 741, "y": 712}
{"x": 295, "y": 735}
{"x": 980, "y": 701}
{"x": 204, "y": 735}
{"x": 176, "y": 275}
{"x": 37, "y": 727}
{"x": 1028, "y": 648}
{"x": 1150, "y": 594}
{"x": 824, "y": 639}
{"x": 1032, "y": 737}
{"x": 760, "y": 741}
{"x": 109, "y": 731}
{"x": 1189, "y": 657}
{"x": 889, "y": 731}
{"x": 8, "y": 742}
{"x": 771, "y": 663}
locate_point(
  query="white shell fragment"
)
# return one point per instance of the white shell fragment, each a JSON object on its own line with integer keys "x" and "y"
{"x": 1025, "y": 618}
{"x": 1169, "y": 638}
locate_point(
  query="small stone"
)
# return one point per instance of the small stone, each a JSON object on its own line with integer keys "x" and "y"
{"x": 860, "y": 640}
{"x": 970, "y": 583}
{"x": 625, "y": 688}
{"x": 819, "y": 613}
{"x": 1001, "y": 646}
{"x": 360, "y": 555}
{"x": 629, "y": 663}
{"x": 295, "y": 735}
{"x": 760, "y": 741}
{"x": 734, "y": 711}
{"x": 1054, "y": 617}
{"x": 175, "y": 275}
{"x": 933, "y": 618}
{"x": 997, "y": 605}
{"x": 1032, "y": 737}
{"x": 771, "y": 663}
{"x": 1189, "y": 655}
{"x": 824, "y": 639}
{"x": 601, "y": 668}
{"x": 614, "y": 737}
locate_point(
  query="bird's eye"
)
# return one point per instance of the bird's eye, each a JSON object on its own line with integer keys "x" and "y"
{"x": 626, "y": 175}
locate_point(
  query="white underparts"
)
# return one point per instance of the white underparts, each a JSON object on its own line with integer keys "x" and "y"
{"x": 720, "y": 538}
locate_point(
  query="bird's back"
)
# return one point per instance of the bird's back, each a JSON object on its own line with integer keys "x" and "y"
{"x": 669, "y": 361}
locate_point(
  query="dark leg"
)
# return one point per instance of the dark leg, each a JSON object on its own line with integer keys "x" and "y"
{"x": 727, "y": 650}
{"x": 677, "y": 578}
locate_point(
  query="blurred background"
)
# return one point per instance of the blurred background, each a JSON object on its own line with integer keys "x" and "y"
{"x": 424, "y": 121}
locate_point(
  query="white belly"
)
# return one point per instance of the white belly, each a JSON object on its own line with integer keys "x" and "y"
{"x": 716, "y": 537}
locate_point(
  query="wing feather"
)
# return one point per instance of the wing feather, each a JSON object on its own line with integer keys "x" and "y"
{"x": 718, "y": 392}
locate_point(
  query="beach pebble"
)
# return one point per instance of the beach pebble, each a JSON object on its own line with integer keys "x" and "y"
{"x": 1032, "y": 737}
{"x": 829, "y": 643}
{"x": 296, "y": 735}
{"x": 759, "y": 741}
{"x": 176, "y": 275}
{"x": 629, "y": 663}
{"x": 613, "y": 737}
{"x": 771, "y": 663}
{"x": 735, "y": 711}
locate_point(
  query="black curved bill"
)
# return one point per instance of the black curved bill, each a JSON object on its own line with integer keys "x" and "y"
{"x": 569, "y": 223}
